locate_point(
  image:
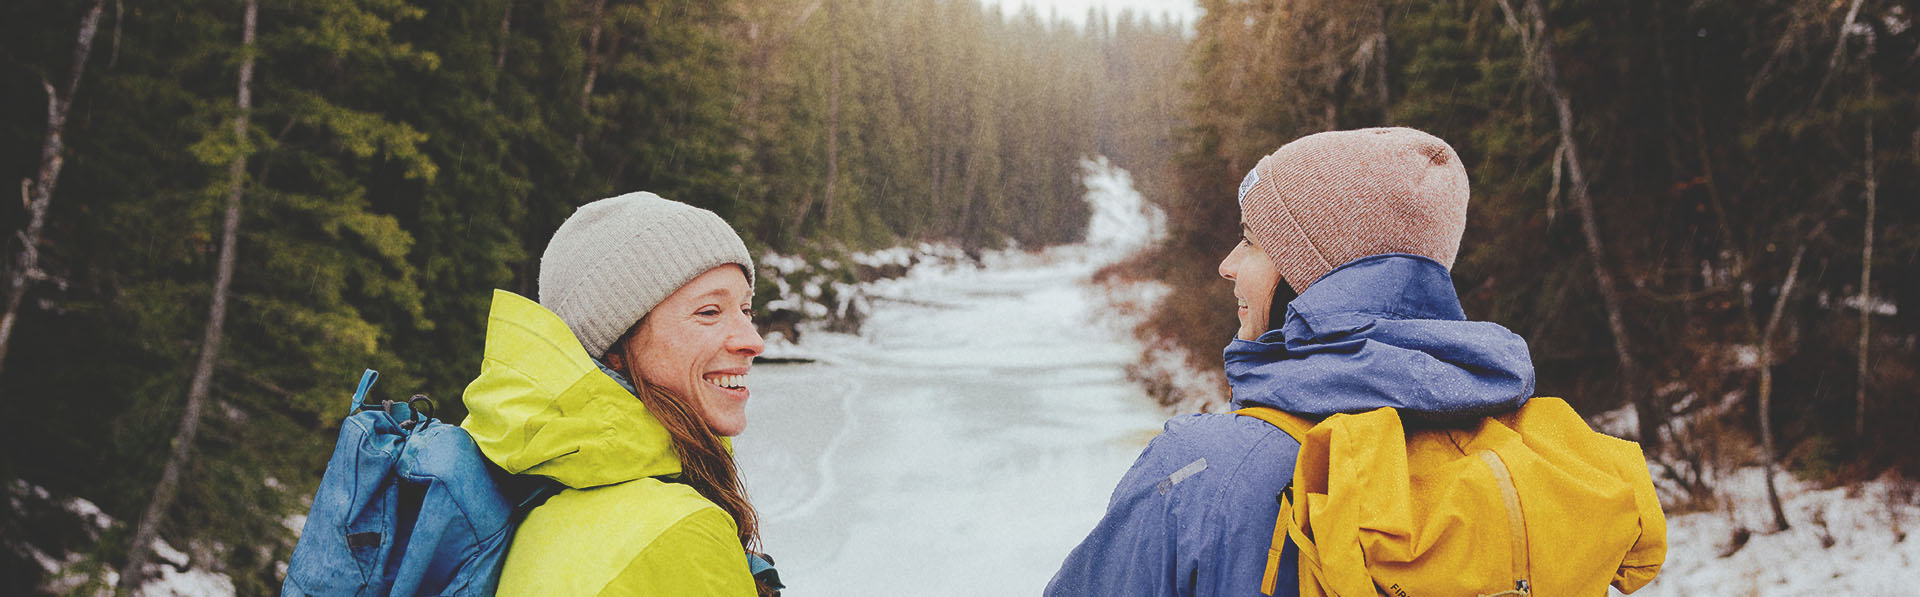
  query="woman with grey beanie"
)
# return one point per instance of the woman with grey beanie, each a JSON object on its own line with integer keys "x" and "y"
{"x": 624, "y": 384}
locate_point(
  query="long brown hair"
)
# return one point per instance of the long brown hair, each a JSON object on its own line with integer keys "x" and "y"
{"x": 705, "y": 463}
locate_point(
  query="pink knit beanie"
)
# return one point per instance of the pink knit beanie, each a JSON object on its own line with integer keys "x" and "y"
{"x": 1329, "y": 198}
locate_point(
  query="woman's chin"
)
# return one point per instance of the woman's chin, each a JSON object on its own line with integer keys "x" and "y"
{"x": 1247, "y": 332}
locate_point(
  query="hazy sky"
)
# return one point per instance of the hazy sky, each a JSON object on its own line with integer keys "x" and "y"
{"x": 1076, "y": 10}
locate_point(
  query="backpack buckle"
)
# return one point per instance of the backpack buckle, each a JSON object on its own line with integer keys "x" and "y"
{"x": 408, "y": 414}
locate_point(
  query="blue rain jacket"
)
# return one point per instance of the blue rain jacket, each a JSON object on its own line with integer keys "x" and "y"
{"x": 1195, "y": 514}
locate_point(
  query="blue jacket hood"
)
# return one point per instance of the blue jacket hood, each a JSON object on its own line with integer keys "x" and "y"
{"x": 1385, "y": 330}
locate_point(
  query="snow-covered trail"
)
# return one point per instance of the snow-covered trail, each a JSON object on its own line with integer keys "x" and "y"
{"x": 962, "y": 445}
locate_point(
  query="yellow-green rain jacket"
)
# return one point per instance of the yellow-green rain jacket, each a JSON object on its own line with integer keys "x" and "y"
{"x": 541, "y": 406}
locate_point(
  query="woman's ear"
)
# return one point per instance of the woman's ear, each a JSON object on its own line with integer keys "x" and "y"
{"x": 617, "y": 357}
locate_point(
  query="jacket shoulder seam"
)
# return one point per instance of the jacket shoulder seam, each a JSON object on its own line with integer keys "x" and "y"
{"x": 684, "y": 555}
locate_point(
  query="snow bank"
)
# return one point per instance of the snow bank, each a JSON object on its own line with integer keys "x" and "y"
{"x": 1122, "y": 219}
{"x": 836, "y": 290}
{"x": 172, "y": 573}
{"x": 1843, "y": 541}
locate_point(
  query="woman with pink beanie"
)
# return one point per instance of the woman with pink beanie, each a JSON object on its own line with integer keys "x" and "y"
{"x": 1346, "y": 305}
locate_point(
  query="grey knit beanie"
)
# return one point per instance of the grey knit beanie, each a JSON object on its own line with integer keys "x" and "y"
{"x": 1333, "y": 197}
{"x": 614, "y": 259}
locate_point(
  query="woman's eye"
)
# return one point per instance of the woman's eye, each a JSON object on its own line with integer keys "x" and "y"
{"x": 748, "y": 311}
{"x": 709, "y": 312}
{"x": 1244, "y": 241}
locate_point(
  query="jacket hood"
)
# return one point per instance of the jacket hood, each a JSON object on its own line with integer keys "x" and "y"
{"x": 1385, "y": 330}
{"x": 541, "y": 406}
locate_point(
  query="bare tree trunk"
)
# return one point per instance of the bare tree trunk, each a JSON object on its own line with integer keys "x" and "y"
{"x": 1540, "y": 54}
{"x": 1667, "y": 103}
{"x": 936, "y": 177}
{"x": 119, "y": 16}
{"x": 1766, "y": 382}
{"x": 762, "y": 55}
{"x": 1866, "y": 270}
{"x": 593, "y": 69}
{"x": 506, "y": 30}
{"x": 26, "y": 267}
{"x": 1380, "y": 60}
{"x": 970, "y": 238}
{"x": 833, "y": 119}
{"x": 1839, "y": 49}
{"x": 500, "y": 53}
{"x": 805, "y": 206}
{"x": 142, "y": 546}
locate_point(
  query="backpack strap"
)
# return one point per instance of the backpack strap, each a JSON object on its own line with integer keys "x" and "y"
{"x": 1295, "y": 427}
{"x": 761, "y": 566}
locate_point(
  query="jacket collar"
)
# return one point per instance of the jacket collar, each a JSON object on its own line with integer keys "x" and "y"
{"x": 1362, "y": 291}
{"x": 1382, "y": 331}
{"x": 542, "y": 406}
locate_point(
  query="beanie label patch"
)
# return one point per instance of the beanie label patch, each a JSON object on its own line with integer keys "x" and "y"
{"x": 1253, "y": 176}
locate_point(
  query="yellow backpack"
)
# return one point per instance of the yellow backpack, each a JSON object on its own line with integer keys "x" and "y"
{"x": 1532, "y": 501}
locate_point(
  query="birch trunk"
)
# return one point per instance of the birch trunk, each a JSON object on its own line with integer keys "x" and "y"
{"x": 593, "y": 70}
{"x": 1866, "y": 271}
{"x": 1547, "y": 77}
{"x": 506, "y": 35}
{"x": 1766, "y": 384}
{"x": 1839, "y": 49}
{"x": 833, "y": 122}
{"x": 26, "y": 267}
{"x": 141, "y": 549}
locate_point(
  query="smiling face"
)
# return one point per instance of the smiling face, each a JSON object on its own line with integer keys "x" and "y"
{"x": 699, "y": 344}
{"x": 1254, "y": 281}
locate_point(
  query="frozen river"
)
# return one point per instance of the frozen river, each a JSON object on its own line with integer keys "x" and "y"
{"x": 964, "y": 442}
{"x": 962, "y": 445}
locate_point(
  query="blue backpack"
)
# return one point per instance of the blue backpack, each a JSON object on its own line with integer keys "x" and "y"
{"x": 408, "y": 506}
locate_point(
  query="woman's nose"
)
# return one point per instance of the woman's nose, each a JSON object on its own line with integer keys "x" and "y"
{"x": 746, "y": 339}
{"x": 1227, "y": 265}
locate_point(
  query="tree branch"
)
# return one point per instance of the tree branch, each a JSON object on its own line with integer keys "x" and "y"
{"x": 50, "y": 164}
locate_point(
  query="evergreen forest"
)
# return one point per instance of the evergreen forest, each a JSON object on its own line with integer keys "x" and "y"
{"x": 1702, "y": 215}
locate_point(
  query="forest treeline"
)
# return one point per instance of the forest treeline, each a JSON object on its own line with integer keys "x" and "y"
{"x": 396, "y": 159}
{"x": 1702, "y": 210}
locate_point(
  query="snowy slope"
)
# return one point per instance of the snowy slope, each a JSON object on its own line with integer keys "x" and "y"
{"x": 1842, "y": 542}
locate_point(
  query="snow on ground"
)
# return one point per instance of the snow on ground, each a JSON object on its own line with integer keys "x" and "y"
{"x": 1841, "y": 542}
{"x": 171, "y": 574}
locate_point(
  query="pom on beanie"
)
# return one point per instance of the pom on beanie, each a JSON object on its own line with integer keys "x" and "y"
{"x": 1330, "y": 198}
{"x": 614, "y": 259}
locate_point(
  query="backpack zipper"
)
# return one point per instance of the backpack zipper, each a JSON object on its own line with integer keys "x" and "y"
{"x": 1516, "y": 524}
